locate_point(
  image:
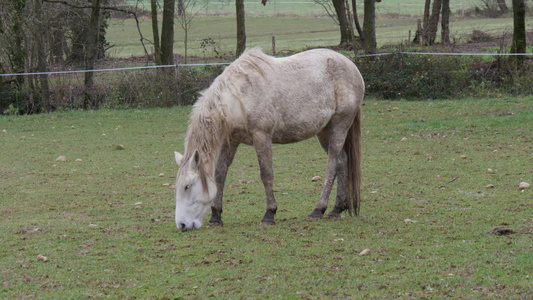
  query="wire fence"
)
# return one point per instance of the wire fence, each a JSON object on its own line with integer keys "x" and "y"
{"x": 402, "y": 74}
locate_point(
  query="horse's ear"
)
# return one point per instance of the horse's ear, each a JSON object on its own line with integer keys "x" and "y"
{"x": 178, "y": 157}
{"x": 196, "y": 157}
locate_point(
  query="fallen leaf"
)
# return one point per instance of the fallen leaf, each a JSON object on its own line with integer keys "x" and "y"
{"x": 316, "y": 178}
{"x": 406, "y": 221}
{"x": 120, "y": 147}
{"x": 364, "y": 252}
{"x": 500, "y": 230}
{"x": 61, "y": 158}
{"x": 463, "y": 156}
{"x": 490, "y": 186}
{"x": 404, "y": 139}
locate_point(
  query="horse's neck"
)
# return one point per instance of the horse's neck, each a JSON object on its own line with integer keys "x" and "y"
{"x": 206, "y": 133}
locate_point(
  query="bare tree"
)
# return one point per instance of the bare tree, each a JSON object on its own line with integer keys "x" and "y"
{"x": 356, "y": 18}
{"x": 241, "y": 28}
{"x": 369, "y": 27}
{"x": 190, "y": 9}
{"x": 155, "y": 32}
{"x": 518, "y": 44}
{"x": 41, "y": 54}
{"x": 167, "y": 33}
{"x": 92, "y": 39}
{"x": 445, "y": 23}
{"x": 434, "y": 22}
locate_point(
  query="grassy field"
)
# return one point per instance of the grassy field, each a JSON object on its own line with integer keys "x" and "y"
{"x": 291, "y": 33}
{"x": 311, "y": 8}
{"x": 100, "y": 224}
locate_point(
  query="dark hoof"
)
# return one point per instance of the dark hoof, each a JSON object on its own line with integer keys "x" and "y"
{"x": 335, "y": 214}
{"x": 215, "y": 224}
{"x": 267, "y": 223}
{"x": 268, "y": 218}
{"x": 316, "y": 215}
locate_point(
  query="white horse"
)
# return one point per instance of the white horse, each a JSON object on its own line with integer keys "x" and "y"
{"x": 259, "y": 100}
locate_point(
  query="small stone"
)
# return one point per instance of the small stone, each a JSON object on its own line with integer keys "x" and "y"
{"x": 165, "y": 184}
{"x": 316, "y": 178}
{"x": 463, "y": 156}
{"x": 72, "y": 127}
{"x": 4, "y": 131}
{"x": 490, "y": 186}
{"x": 61, "y": 158}
{"x": 78, "y": 159}
{"x": 490, "y": 170}
{"x": 138, "y": 203}
{"x": 395, "y": 108}
{"x": 404, "y": 139}
{"x": 524, "y": 185}
{"x": 119, "y": 147}
{"x": 161, "y": 175}
{"x": 407, "y": 221}
{"x": 42, "y": 258}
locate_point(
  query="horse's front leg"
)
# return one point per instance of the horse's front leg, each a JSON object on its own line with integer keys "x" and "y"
{"x": 227, "y": 153}
{"x": 263, "y": 148}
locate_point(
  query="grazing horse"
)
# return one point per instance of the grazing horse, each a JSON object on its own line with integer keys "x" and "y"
{"x": 259, "y": 100}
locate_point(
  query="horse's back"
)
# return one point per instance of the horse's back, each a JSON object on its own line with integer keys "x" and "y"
{"x": 296, "y": 97}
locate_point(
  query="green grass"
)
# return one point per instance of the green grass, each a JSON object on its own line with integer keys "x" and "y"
{"x": 309, "y": 8}
{"x": 85, "y": 218}
{"x": 292, "y": 33}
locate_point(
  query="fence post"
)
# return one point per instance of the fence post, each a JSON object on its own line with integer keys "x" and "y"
{"x": 178, "y": 93}
{"x": 273, "y": 45}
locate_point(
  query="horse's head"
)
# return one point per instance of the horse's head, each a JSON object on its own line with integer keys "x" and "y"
{"x": 195, "y": 191}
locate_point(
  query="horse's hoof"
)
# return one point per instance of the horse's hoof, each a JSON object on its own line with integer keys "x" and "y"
{"x": 267, "y": 223}
{"x": 334, "y": 216}
{"x": 315, "y": 215}
{"x": 313, "y": 218}
{"x": 215, "y": 224}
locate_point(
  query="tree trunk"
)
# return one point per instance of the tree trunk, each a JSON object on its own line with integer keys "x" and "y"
{"x": 18, "y": 54}
{"x": 155, "y": 33}
{"x": 181, "y": 8}
{"x": 427, "y": 7}
{"x": 346, "y": 33}
{"x": 433, "y": 24}
{"x": 167, "y": 33}
{"x": 518, "y": 44}
{"x": 91, "y": 54}
{"x": 41, "y": 56}
{"x": 445, "y": 23}
{"x": 503, "y": 6}
{"x": 241, "y": 28}
{"x": 356, "y": 19}
{"x": 369, "y": 27}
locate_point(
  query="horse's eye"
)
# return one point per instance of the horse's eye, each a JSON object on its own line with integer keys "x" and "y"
{"x": 187, "y": 187}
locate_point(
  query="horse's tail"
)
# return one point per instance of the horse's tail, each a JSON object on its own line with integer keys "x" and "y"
{"x": 352, "y": 147}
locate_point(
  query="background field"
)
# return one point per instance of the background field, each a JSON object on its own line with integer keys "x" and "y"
{"x": 105, "y": 223}
{"x": 296, "y": 26}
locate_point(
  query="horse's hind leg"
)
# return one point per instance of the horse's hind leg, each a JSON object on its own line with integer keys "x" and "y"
{"x": 332, "y": 140}
{"x": 263, "y": 147}
{"x": 227, "y": 153}
{"x": 341, "y": 202}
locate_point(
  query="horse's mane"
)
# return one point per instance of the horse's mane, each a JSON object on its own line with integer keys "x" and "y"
{"x": 208, "y": 121}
